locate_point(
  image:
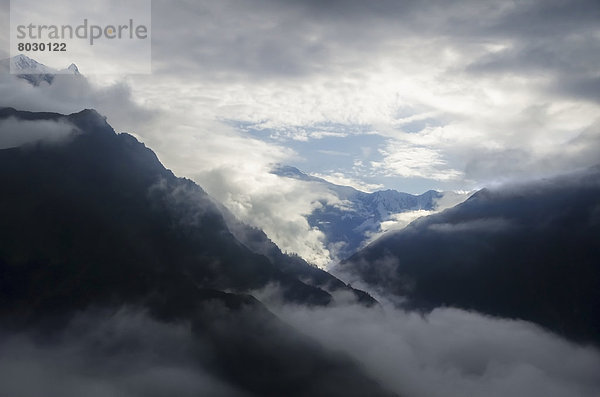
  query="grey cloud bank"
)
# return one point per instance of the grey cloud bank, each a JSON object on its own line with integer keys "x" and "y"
{"x": 451, "y": 352}
{"x": 15, "y": 133}
{"x": 102, "y": 353}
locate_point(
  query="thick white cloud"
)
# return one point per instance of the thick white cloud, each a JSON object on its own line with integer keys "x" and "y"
{"x": 397, "y": 222}
{"x": 403, "y": 219}
{"x": 70, "y": 94}
{"x": 277, "y": 205}
{"x": 451, "y": 352}
{"x": 341, "y": 179}
{"x": 414, "y": 161}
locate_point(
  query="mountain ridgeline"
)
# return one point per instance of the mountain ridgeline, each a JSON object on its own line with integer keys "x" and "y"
{"x": 34, "y": 72}
{"x": 530, "y": 252}
{"x": 97, "y": 222}
{"x": 348, "y": 227}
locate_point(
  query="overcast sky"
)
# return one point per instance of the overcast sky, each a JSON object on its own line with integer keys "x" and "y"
{"x": 409, "y": 95}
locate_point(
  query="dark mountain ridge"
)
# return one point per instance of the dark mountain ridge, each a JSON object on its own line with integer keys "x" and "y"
{"x": 529, "y": 251}
{"x": 96, "y": 221}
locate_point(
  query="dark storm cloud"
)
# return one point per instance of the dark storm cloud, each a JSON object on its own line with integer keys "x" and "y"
{"x": 556, "y": 39}
{"x": 270, "y": 38}
{"x": 231, "y": 38}
{"x": 517, "y": 163}
{"x": 541, "y": 19}
{"x": 586, "y": 87}
{"x": 262, "y": 38}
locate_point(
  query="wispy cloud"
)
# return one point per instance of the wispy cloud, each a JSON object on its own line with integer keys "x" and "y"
{"x": 405, "y": 160}
{"x": 14, "y": 132}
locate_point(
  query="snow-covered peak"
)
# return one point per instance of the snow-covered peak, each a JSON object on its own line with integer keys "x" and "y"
{"x": 22, "y": 64}
{"x": 358, "y": 218}
{"x": 33, "y": 71}
{"x": 73, "y": 69}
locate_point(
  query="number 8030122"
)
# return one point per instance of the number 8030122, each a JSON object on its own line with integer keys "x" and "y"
{"x": 42, "y": 47}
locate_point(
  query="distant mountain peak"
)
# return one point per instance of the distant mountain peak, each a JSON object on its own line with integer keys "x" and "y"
{"x": 349, "y": 226}
{"x": 33, "y": 71}
{"x": 292, "y": 172}
{"x": 23, "y": 64}
{"x": 73, "y": 68}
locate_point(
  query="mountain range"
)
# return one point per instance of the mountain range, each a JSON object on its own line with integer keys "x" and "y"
{"x": 33, "y": 71}
{"x": 96, "y": 223}
{"x": 119, "y": 278}
{"x": 361, "y": 216}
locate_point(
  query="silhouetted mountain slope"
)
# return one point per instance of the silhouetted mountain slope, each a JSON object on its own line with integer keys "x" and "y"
{"x": 97, "y": 222}
{"x": 106, "y": 190}
{"x": 258, "y": 242}
{"x": 529, "y": 252}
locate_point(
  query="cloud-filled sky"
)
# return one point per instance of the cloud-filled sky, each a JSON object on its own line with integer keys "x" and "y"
{"x": 408, "y": 95}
